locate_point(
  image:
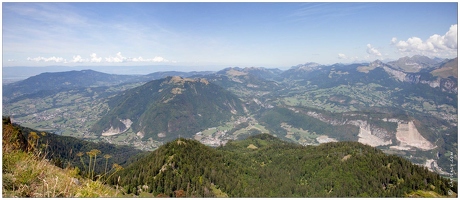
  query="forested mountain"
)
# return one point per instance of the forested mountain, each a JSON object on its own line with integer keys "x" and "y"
{"x": 162, "y": 109}
{"x": 64, "y": 80}
{"x": 264, "y": 166}
{"x": 274, "y": 118}
{"x": 56, "y": 81}
{"x": 65, "y": 151}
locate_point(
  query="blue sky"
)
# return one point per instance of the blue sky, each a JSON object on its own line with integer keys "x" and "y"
{"x": 211, "y": 36}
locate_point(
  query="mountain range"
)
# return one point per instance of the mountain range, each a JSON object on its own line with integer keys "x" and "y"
{"x": 406, "y": 107}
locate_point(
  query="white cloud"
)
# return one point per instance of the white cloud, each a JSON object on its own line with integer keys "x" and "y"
{"x": 50, "y": 59}
{"x": 140, "y": 59}
{"x": 342, "y": 56}
{"x": 94, "y": 58}
{"x": 394, "y": 40}
{"x": 159, "y": 59}
{"x": 450, "y": 37}
{"x": 155, "y": 59}
{"x": 435, "y": 45}
{"x": 77, "y": 59}
{"x": 117, "y": 59}
{"x": 373, "y": 51}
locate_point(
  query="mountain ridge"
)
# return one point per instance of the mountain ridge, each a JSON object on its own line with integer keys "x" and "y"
{"x": 52, "y": 81}
{"x": 252, "y": 168}
{"x": 174, "y": 104}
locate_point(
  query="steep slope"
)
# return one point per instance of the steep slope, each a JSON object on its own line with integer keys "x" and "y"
{"x": 12, "y": 137}
{"x": 449, "y": 68}
{"x": 419, "y": 79}
{"x": 163, "y": 109}
{"x": 26, "y": 173}
{"x": 65, "y": 151}
{"x": 264, "y": 166}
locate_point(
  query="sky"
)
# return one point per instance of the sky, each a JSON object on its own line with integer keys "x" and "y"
{"x": 212, "y": 36}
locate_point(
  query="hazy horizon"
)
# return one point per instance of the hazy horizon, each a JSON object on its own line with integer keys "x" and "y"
{"x": 15, "y": 73}
{"x": 212, "y": 36}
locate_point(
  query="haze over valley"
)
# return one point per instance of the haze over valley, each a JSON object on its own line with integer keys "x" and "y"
{"x": 188, "y": 100}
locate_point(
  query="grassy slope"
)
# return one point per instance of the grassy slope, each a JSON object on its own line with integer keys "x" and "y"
{"x": 26, "y": 172}
{"x": 27, "y": 175}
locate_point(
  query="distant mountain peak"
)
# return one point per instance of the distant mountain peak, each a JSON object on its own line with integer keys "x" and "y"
{"x": 177, "y": 80}
{"x": 376, "y": 63}
{"x": 420, "y": 57}
{"x": 236, "y": 72}
{"x": 88, "y": 70}
{"x": 61, "y": 80}
{"x": 254, "y": 68}
{"x": 307, "y": 66}
{"x": 415, "y": 63}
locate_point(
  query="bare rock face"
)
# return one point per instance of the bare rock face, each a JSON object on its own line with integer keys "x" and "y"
{"x": 411, "y": 76}
{"x": 116, "y": 131}
{"x": 398, "y": 75}
{"x": 448, "y": 85}
{"x": 370, "y": 135}
{"x": 408, "y": 135}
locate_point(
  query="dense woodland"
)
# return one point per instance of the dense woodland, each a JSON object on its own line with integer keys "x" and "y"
{"x": 272, "y": 119}
{"x": 264, "y": 166}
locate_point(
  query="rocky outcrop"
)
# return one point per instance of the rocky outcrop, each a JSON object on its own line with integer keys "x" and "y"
{"x": 406, "y": 133}
{"x": 398, "y": 75}
{"x": 449, "y": 85}
{"x": 368, "y": 133}
{"x": 446, "y": 84}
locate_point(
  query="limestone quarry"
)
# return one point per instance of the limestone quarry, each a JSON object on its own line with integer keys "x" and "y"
{"x": 116, "y": 131}
{"x": 408, "y": 135}
{"x": 366, "y": 137}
